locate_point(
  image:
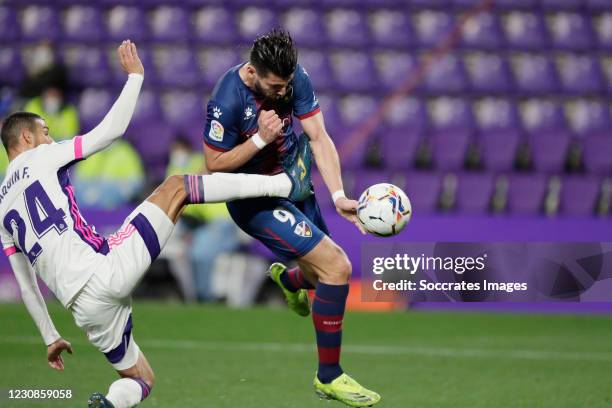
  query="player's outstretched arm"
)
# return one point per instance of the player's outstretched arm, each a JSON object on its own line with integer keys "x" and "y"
{"x": 118, "y": 118}
{"x": 34, "y": 302}
{"x": 328, "y": 162}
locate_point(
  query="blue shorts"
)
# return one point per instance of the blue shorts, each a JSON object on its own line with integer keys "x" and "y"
{"x": 290, "y": 230}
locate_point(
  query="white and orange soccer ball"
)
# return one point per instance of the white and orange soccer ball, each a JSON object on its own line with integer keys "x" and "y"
{"x": 384, "y": 209}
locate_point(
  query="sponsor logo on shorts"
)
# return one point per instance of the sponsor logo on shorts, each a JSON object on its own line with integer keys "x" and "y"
{"x": 216, "y": 131}
{"x": 303, "y": 230}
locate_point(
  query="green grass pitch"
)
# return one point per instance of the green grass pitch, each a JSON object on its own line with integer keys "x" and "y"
{"x": 215, "y": 357}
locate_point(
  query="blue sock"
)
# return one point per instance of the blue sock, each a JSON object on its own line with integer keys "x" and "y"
{"x": 327, "y": 315}
{"x": 294, "y": 280}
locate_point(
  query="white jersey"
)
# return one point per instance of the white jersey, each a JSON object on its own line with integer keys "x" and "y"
{"x": 40, "y": 217}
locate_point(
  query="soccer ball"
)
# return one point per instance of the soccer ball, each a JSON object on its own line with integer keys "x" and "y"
{"x": 384, "y": 210}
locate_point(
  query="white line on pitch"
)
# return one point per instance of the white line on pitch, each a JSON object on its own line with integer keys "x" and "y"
{"x": 353, "y": 349}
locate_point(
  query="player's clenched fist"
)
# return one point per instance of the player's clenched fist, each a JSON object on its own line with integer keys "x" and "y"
{"x": 128, "y": 56}
{"x": 270, "y": 125}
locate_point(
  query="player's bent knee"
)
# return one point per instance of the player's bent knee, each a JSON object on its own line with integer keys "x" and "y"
{"x": 337, "y": 268}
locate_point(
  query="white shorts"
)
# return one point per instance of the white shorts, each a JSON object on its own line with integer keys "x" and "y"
{"x": 103, "y": 308}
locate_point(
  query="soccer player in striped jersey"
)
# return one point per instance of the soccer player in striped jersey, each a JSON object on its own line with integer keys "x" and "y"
{"x": 44, "y": 234}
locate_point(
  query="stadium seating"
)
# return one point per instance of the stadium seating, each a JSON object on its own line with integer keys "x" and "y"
{"x": 523, "y": 85}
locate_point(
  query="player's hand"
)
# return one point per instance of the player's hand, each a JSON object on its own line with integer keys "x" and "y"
{"x": 54, "y": 354}
{"x": 348, "y": 209}
{"x": 129, "y": 59}
{"x": 270, "y": 125}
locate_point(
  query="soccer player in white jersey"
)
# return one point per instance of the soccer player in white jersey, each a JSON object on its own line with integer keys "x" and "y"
{"x": 44, "y": 234}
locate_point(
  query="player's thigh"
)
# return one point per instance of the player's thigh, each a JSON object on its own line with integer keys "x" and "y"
{"x": 278, "y": 224}
{"x": 136, "y": 245}
{"x": 328, "y": 261}
{"x": 142, "y": 369}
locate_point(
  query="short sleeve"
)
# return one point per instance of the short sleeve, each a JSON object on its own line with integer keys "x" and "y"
{"x": 221, "y": 132}
{"x": 305, "y": 102}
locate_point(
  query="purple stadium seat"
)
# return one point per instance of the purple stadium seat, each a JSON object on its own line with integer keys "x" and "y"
{"x": 524, "y": 30}
{"x": 391, "y": 29}
{"x": 561, "y": 4}
{"x": 579, "y": 196}
{"x": 570, "y": 31}
{"x": 423, "y": 189}
{"x": 170, "y": 24}
{"x": 285, "y": 4}
{"x": 603, "y": 26}
{"x": 215, "y": 62}
{"x": 429, "y": 3}
{"x": 451, "y": 114}
{"x": 394, "y": 69}
{"x": 449, "y": 149}
{"x": 177, "y": 66}
{"x": 254, "y": 21}
{"x": 499, "y": 149}
{"x": 549, "y": 151}
{"x": 127, "y": 22}
{"x": 540, "y": 115}
{"x": 215, "y": 25}
{"x": 182, "y": 107}
{"x": 305, "y": 26}
{"x": 147, "y": 110}
{"x": 597, "y": 151}
{"x": 12, "y": 71}
{"x": 588, "y": 116}
{"x": 606, "y": 65}
{"x": 580, "y": 74}
{"x": 332, "y": 117}
{"x": 40, "y": 23}
{"x": 93, "y": 105}
{"x": 406, "y": 114}
{"x": 361, "y": 180}
{"x": 432, "y": 27}
{"x": 446, "y": 75}
{"x": 488, "y": 73}
{"x": 152, "y": 140}
{"x": 534, "y": 74}
{"x": 88, "y": 66}
{"x": 474, "y": 193}
{"x": 318, "y": 68}
{"x": 355, "y": 109}
{"x": 83, "y": 24}
{"x": 526, "y": 193}
{"x": 399, "y": 147}
{"x": 516, "y": 4}
{"x": 361, "y": 68}
{"x": 482, "y": 31}
{"x": 347, "y": 28}
{"x": 495, "y": 114}
{"x": 9, "y": 29}
{"x": 598, "y": 5}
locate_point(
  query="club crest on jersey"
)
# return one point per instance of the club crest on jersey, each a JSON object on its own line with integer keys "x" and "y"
{"x": 217, "y": 112}
{"x": 248, "y": 113}
{"x": 303, "y": 230}
{"x": 216, "y": 131}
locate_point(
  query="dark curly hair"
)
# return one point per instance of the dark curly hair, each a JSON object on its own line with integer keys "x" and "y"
{"x": 274, "y": 52}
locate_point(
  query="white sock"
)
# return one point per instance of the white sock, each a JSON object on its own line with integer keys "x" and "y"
{"x": 222, "y": 187}
{"x": 124, "y": 393}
